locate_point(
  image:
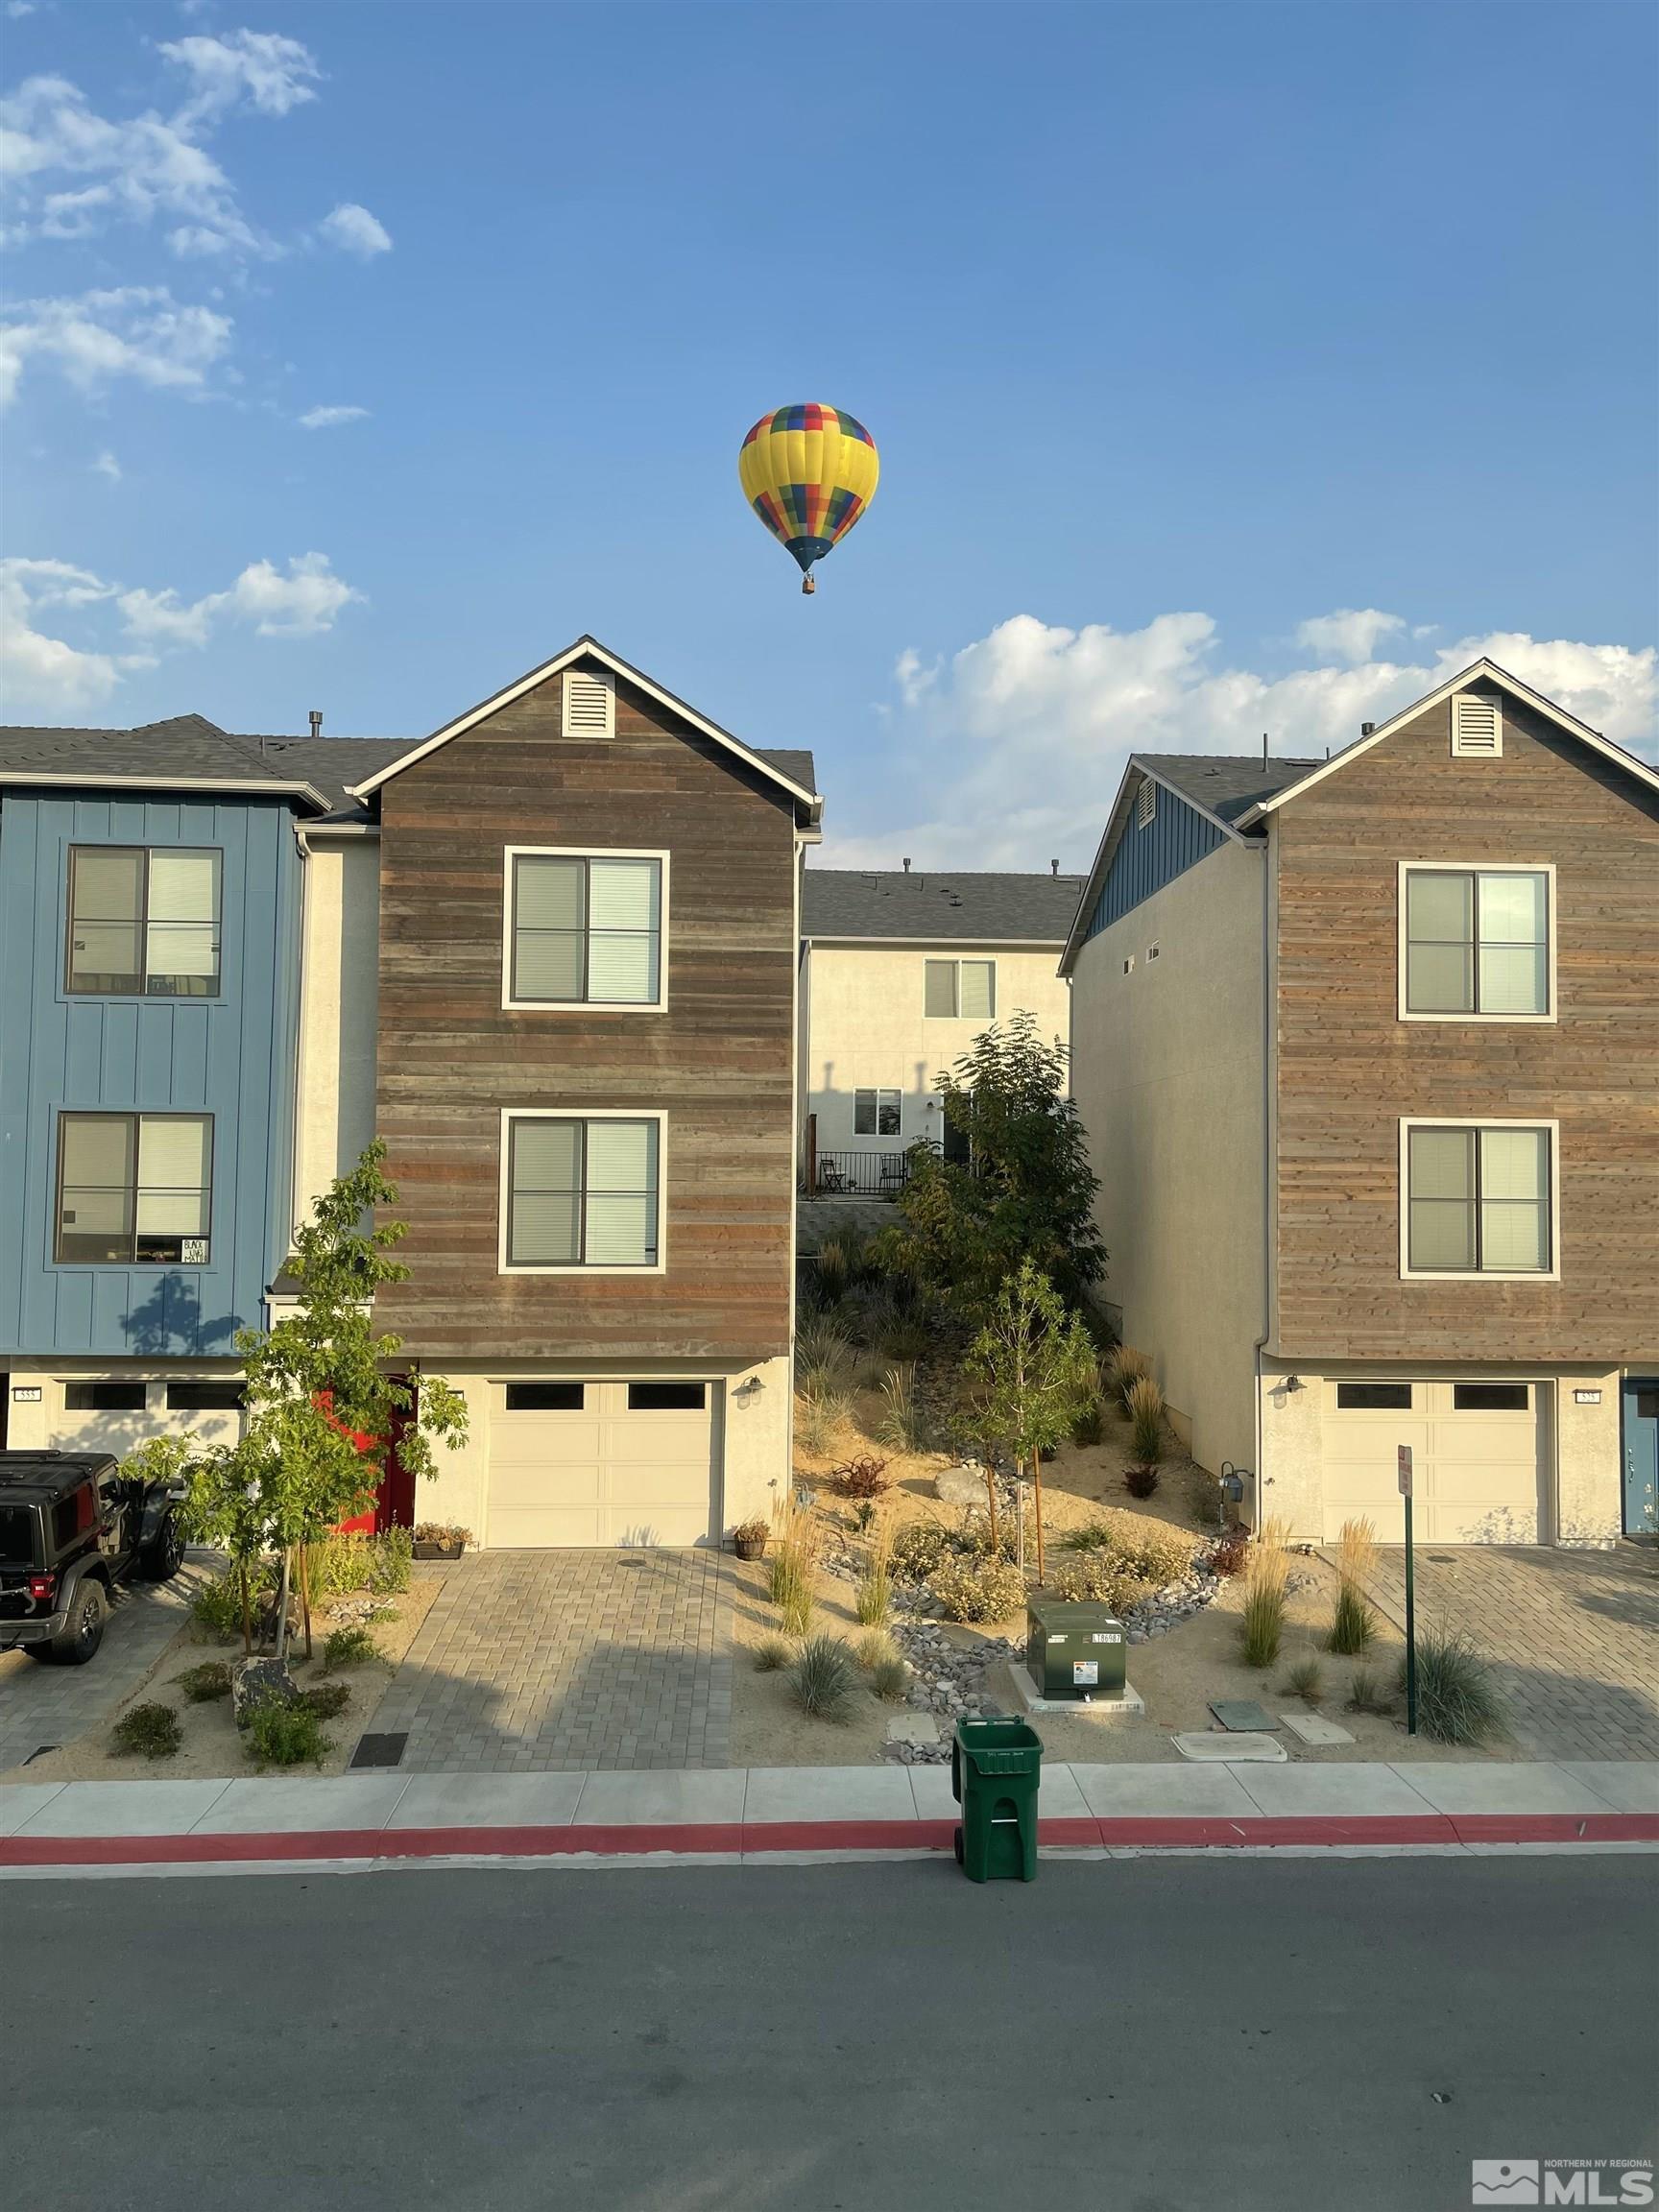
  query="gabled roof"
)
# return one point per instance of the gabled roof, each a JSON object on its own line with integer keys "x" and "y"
{"x": 937, "y": 907}
{"x": 1477, "y": 672}
{"x": 186, "y": 754}
{"x": 586, "y": 648}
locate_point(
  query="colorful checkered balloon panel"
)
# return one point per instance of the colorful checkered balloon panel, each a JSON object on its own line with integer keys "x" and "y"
{"x": 808, "y": 472}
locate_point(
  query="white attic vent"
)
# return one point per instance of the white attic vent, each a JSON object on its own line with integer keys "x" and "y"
{"x": 590, "y": 704}
{"x": 1146, "y": 802}
{"x": 1477, "y": 727}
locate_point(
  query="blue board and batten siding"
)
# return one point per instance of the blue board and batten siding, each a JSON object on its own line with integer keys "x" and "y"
{"x": 1175, "y": 839}
{"x": 231, "y": 1056}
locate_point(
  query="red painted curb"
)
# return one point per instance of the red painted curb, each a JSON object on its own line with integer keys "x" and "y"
{"x": 733, "y": 1839}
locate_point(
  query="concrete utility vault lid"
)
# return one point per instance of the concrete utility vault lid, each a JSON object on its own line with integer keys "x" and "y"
{"x": 1216, "y": 1745}
{"x": 1243, "y": 1713}
{"x": 1313, "y": 1728}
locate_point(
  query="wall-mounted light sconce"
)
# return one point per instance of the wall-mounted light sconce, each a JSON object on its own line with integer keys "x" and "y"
{"x": 748, "y": 1390}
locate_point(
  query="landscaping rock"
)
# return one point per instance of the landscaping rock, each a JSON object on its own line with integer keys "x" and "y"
{"x": 959, "y": 1486}
{"x": 253, "y": 1680}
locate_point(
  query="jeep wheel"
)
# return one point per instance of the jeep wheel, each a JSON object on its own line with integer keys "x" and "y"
{"x": 88, "y": 1610}
{"x": 164, "y": 1555}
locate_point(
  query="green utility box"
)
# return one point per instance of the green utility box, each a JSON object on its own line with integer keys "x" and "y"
{"x": 996, "y": 1773}
{"x": 1074, "y": 1649}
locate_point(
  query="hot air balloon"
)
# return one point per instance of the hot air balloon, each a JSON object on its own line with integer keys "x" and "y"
{"x": 808, "y": 472}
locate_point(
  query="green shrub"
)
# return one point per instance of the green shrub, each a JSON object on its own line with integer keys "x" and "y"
{"x": 1123, "y": 1368}
{"x": 890, "y": 1680}
{"x": 900, "y": 1424}
{"x": 1366, "y": 1693}
{"x": 353, "y": 1646}
{"x": 1100, "y": 1579}
{"x": 919, "y": 1547}
{"x": 202, "y": 1684}
{"x": 327, "y": 1700}
{"x": 1455, "y": 1701}
{"x": 1306, "y": 1680}
{"x": 821, "y": 1407}
{"x": 216, "y": 1608}
{"x": 1089, "y": 1425}
{"x": 771, "y": 1654}
{"x": 389, "y": 1558}
{"x": 148, "y": 1732}
{"x": 1144, "y": 1402}
{"x": 823, "y": 1678}
{"x": 875, "y": 1645}
{"x": 831, "y": 1271}
{"x": 341, "y": 1563}
{"x": 991, "y": 1590}
{"x": 286, "y": 1732}
{"x": 872, "y": 1597}
{"x": 1353, "y": 1623}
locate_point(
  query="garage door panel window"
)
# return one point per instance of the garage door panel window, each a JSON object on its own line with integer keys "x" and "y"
{"x": 546, "y": 1397}
{"x": 143, "y": 922}
{"x": 1491, "y": 1397}
{"x": 1476, "y": 940}
{"x": 667, "y": 1397}
{"x": 134, "y": 1190}
{"x": 582, "y": 1192}
{"x": 1374, "y": 1397}
{"x": 585, "y": 930}
{"x": 1478, "y": 1201}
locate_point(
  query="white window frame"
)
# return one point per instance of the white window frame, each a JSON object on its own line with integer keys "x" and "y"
{"x": 1410, "y": 1274}
{"x": 1407, "y": 868}
{"x": 878, "y": 1091}
{"x": 512, "y": 1114}
{"x": 959, "y": 961}
{"x": 511, "y": 855}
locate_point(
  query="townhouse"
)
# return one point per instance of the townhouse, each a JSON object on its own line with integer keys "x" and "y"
{"x": 1368, "y": 1053}
{"x": 549, "y": 953}
{"x": 901, "y": 970}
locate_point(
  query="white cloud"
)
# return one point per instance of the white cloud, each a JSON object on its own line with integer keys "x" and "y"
{"x": 274, "y": 73}
{"x": 1010, "y": 752}
{"x": 50, "y": 675}
{"x": 136, "y": 330}
{"x": 1350, "y": 635}
{"x": 107, "y": 465}
{"x": 354, "y": 230}
{"x": 330, "y": 418}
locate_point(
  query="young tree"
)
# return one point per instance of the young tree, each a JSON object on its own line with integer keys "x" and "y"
{"x": 321, "y": 1403}
{"x": 1032, "y": 1370}
{"x": 1022, "y": 1187}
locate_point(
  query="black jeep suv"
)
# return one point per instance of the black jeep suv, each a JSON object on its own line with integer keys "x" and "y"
{"x": 71, "y": 1527}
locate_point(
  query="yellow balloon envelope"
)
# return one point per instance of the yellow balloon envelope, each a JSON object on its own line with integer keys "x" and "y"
{"x": 808, "y": 472}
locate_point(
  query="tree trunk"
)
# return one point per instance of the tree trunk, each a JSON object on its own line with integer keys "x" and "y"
{"x": 991, "y": 1504}
{"x": 1037, "y": 1507}
{"x": 246, "y": 1610}
{"x": 282, "y": 1605}
{"x": 305, "y": 1593}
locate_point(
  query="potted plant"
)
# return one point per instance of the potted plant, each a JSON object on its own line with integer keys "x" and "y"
{"x": 749, "y": 1539}
{"x": 439, "y": 1539}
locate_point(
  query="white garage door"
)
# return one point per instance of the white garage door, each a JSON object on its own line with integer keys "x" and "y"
{"x": 116, "y": 1416}
{"x": 1475, "y": 1460}
{"x": 600, "y": 1464}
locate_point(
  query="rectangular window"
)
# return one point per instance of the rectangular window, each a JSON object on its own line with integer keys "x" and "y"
{"x": 105, "y": 1397}
{"x": 1491, "y": 1397}
{"x": 134, "y": 1190}
{"x": 1374, "y": 1397}
{"x": 546, "y": 1397}
{"x": 585, "y": 930}
{"x": 143, "y": 922}
{"x": 1476, "y": 940}
{"x": 1478, "y": 1200}
{"x": 960, "y": 989}
{"x": 876, "y": 1114}
{"x": 581, "y": 1192}
{"x": 667, "y": 1397}
{"x": 205, "y": 1397}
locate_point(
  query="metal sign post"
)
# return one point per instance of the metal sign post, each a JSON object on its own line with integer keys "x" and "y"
{"x": 1404, "y": 1458}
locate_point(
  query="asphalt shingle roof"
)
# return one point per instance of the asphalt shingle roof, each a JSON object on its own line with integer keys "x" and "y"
{"x": 939, "y": 905}
{"x": 1228, "y": 784}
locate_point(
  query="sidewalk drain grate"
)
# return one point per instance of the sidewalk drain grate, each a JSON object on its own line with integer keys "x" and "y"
{"x": 379, "y": 1750}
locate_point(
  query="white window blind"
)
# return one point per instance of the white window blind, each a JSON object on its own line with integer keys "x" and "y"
{"x": 978, "y": 989}
{"x": 621, "y": 1195}
{"x": 545, "y": 1198}
{"x": 623, "y": 930}
{"x": 172, "y": 1175}
{"x": 182, "y": 938}
{"x": 105, "y": 919}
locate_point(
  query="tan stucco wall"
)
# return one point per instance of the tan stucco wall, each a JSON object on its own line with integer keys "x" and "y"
{"x": 1582, "y": 1464}
{"x": 866, "y": 1029}
{"x": 1167, "y": 1074}
{"x": 338, "y": 991}
{"x": 754, "y": 1429}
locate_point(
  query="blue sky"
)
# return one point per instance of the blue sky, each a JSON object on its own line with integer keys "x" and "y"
{"x": 1234, "y": 369}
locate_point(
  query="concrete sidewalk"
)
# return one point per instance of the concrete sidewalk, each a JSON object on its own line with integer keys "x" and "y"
{"x": 737, "y": 1814}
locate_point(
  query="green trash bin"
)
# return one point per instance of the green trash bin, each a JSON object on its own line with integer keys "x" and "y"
{"x": 996, "y": 1771}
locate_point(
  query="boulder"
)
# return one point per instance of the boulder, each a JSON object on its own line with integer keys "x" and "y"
{"x": 253, "y": 1680}
{"x": 959, "y": 1486}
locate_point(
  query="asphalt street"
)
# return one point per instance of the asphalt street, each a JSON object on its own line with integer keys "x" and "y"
{"x": 1156, "y": 2035}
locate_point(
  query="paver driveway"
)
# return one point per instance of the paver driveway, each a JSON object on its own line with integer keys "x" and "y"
{"x": 1574, "y": 1637}
{"x": 42, "y": 1705}
{"x": 532, "y": 1660}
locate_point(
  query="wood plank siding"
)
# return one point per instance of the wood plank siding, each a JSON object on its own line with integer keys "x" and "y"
{"x": 1348, "y": 1068}
{"x": 718, "y": 1062}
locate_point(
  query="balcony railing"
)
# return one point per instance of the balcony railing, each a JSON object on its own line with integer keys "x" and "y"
{"x": 837, "y": 1175}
